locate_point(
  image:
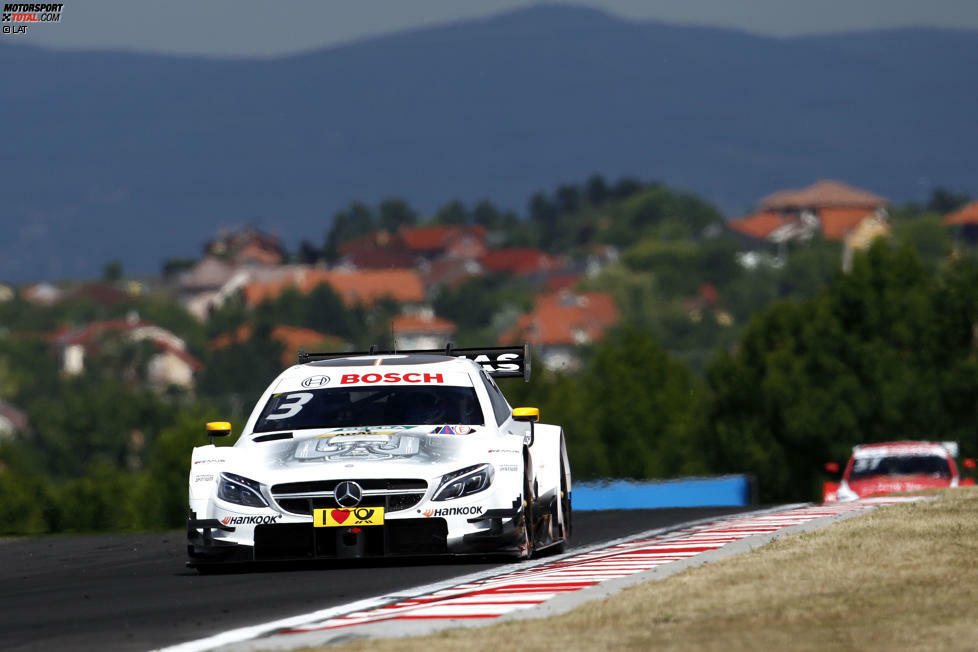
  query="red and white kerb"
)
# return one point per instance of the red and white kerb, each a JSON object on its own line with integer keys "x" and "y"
{"x": 503, "y": 594}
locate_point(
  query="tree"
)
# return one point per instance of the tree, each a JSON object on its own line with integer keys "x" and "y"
{"x": 347, "y": 224}
{"x": 631, "y": 411}
{"x": 568, "y": 198}
{"x": 112, "y": 271}
{"x": 885, "y": 352}
{"x": 308, "y": 253}
{"x": 326, "y": 313}
{"x": 453, "y": 213}
{"x": 173, "y": 266}
{"x": 597, "y": 191}
{"x": 544, "y": 216}
{"x": 810, "y": 267}
{"x": 649, "y": 409}
{"x": 395, "y": 213}
{"x": 626, "y": 187}
{"x": 925, "y": 233}
{"x": 162, "y": 491}
{"x": 486, "y": 214}
{"x": 943, "y": 201}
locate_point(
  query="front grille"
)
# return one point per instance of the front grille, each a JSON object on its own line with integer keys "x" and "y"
{"x": 400, "y": 502}
{"x": 394, "y": 495}
{"x": 395, "y": 484}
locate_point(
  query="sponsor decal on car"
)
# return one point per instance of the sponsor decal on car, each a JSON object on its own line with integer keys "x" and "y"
{"x": 315, "y": 381}
{"x": 502, "y": 362}
{"x": 508, "y": 467}
{"x": 357, "y": 516}
{"x": 204, "y": 478}
{"x": 250, "y": 520}
{"x": 473, "y": 510}
{"x": 391, "y": 377}
{"x": 452, "y": 430}
{"x": 385, "y": 430}
{"x": 209, "y": 461}
{"x": 504, "y": 450}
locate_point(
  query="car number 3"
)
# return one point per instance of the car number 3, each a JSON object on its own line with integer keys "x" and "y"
{"x": 291, "y": 408}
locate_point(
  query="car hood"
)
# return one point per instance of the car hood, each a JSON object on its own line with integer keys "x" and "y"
{"x": 345, "y": 453}
{"x": 892, "y": 484}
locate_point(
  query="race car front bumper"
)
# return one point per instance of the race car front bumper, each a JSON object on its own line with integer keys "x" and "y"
{"x": 501, "y": 531}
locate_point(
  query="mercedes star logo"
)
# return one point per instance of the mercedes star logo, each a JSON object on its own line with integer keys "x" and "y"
{"x": 348, "y": 494}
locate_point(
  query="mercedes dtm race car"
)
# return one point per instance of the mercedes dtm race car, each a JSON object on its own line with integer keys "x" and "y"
{"x": 890, "y": 467}
{"x": 375, "y": 454}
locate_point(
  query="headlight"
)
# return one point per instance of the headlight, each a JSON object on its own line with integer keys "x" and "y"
{"x": 240, "y": 491}
{"x": 464, "y": 482}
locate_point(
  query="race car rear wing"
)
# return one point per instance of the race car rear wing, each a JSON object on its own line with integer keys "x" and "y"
{"x": 497, "y": 361}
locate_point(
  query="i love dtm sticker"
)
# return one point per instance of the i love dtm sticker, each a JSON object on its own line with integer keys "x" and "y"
{"x": 356, "y": 517}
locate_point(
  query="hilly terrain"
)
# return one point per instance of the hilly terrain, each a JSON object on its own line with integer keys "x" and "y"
{"x": 114, "y": 155}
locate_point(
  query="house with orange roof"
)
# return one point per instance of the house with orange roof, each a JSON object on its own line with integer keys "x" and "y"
{"x": 171, "y": 365}
{"x": 824, "y": 193}
{"x": 363, "y": 286}
{"x": 413, "y": 246}
{"x": 454, "y": 241}
{"x": 375, "y": 250}
{"x": 834, "y": 209}
{"x": 421, "y": 329}
{"x": 292, "y": 338}
{"x": 211, "y": 282}
{"x": 248, "y": 245}
{"x": 521, "y": 261}
{"x": 448, "y": 272}
{"x": 965, "y": 221}
{"x": 563, "y": 321}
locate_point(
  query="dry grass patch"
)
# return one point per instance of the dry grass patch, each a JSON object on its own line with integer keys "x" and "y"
{"x": 899, "y": 577}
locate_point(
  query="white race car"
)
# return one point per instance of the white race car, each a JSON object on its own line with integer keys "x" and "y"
{"x": 356, "y": 455}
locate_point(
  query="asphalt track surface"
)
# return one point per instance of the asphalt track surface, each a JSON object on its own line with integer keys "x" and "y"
{"x": 133, "y": 592}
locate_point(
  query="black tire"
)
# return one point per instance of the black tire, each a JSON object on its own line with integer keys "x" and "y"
{"x": 528, "y": 505}
{"x": 565, "y": 503}
{"x": 566, "y": 510}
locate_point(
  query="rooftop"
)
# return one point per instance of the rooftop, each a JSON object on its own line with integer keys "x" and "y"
{"x": 823, "y": 193}
{"x": 566, "y": 318}
{"x": 422, "y": 324}
{"x": 364, "y": 286}
{"x": 964, "y": 215}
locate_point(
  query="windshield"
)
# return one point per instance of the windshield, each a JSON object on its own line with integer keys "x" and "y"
{"x": 866, "y": 467}
{"x": 371, "y": 406}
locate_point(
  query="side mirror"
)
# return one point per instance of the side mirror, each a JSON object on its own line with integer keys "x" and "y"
{"x": 832, "y": 467}
{"x": 530, "y": 414}
{"x": 969, "y": 463}
{"x": 218, "y": 429}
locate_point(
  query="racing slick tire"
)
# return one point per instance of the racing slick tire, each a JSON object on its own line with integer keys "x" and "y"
{"x": 566, "y": 511}
{"x": 528, "y": 505}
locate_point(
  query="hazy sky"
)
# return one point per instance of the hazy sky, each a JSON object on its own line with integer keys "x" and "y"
{"x": 253, "y": 28}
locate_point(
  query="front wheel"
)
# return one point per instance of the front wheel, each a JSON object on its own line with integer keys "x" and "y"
{"x": 527, "y": 547}
{"x": 566, "y": 510}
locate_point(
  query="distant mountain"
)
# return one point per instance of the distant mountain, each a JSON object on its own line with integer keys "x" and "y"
{"x": 116, "y": 155}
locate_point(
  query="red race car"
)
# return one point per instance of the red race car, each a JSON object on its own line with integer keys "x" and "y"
{"x": 890, "y": 467}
